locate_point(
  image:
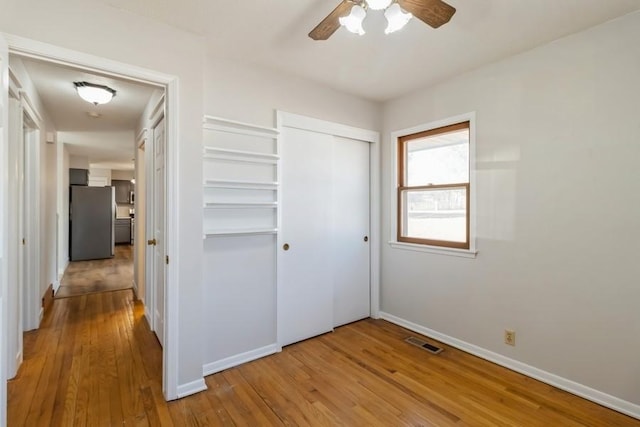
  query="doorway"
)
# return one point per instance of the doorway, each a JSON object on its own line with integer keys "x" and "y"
{"x": 167, "y": 84}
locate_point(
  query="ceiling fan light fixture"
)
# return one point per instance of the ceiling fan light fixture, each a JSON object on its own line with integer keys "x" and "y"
{"x": 93, "y": 93}
{"x": 378, "y": 4}
{"x": 396, "y": 18}
{"x": 353, "y": 21}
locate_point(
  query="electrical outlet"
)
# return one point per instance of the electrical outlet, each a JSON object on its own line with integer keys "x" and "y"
{"x": 510, "y": 337}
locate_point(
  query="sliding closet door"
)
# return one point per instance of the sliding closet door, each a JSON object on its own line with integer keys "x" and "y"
{"x": 305, "y": 294}
{"x": 351, "y": 284}
{"x": 323, "y": 261}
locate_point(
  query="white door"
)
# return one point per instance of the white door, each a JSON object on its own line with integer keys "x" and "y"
{"x": 324, "y": 273}
{"x": 351, "y": 207}
{"x": 4, "y": 120}
{"x": 30, "y": 215}
{"x": 305, "y": 293}
{"x": 158, "y": 229}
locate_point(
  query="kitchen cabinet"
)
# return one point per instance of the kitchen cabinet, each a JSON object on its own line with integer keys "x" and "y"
{"x": 78, "y": 176}
{"x": 123, "y": 191}
{"x": 123, "y": 231}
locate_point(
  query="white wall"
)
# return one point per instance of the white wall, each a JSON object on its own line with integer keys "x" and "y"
{"x": 131, "y": 39}
{"x": 252, "y": 94}
{"x": 558, "y": 205}
{"x": 48, "y": 212}
{"x": 241, "y": 303}
{"x": 122, "y": 174}
{"x": 47, "y": 184}
{"x": 76, "y": 162}
{"x": 62, "y": 170}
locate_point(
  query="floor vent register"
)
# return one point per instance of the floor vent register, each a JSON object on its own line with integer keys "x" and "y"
{"x": 423, "y": 345}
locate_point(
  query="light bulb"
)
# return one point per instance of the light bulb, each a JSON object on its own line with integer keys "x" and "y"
{"x": 353, "y": 22}
{"x": 378, "y": 4}
{"x": 396, "y": 18}
{"x": 93, "y": 93}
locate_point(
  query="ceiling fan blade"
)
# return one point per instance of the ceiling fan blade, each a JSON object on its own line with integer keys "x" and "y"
{"x": 431, "y": 12}
{"x": 330, "y": 24}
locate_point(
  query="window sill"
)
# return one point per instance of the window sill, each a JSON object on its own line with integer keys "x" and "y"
{"x": 463, "y": 253}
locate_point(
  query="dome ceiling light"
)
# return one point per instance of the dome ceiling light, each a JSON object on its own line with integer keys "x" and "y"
{"x": 94, "y": 93}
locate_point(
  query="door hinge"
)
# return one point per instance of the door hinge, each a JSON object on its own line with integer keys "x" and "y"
{"x": 24, "y": 242}
{"x": 166, "y": 258}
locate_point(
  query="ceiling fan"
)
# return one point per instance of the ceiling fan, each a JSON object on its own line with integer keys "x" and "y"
{"x": 432, "y": 12}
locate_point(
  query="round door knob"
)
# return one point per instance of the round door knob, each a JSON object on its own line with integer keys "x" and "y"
{"x": 366, "y": 238}
{"x": 285, "y": 246}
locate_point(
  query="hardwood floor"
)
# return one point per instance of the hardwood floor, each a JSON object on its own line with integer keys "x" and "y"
{"x": 101, "y": 275}
{"x": 94, "y": 362}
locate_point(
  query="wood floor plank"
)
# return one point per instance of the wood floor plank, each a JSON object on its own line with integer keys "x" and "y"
{"x": 95, "y": 362}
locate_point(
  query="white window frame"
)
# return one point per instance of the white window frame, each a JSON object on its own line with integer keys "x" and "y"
{"x": 393, "y": 242}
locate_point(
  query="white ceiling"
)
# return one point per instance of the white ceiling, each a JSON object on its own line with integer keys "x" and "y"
{"x": 375, "y": 66}
{"x": 273, "y": 34}
{"x": 69, "y": 112}
{"x": 107, "y": 140}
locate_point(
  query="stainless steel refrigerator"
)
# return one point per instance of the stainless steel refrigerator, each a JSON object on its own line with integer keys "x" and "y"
{"x": 91, "y": 221}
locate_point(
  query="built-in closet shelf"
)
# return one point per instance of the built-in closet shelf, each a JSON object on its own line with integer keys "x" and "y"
{"x": 240, "y": 205}
{"x": 238, "y": 153}
{"x": 240, "y": 185}
{"x": 246, "y": 232}
{"x": 221, "y": 157}
{"x": 241, "y": 170}
{"x": 232, "y": 126}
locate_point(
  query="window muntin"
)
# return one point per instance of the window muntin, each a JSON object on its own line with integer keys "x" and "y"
{"x": 433, "y": 187}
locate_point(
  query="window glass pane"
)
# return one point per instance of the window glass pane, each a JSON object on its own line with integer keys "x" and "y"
{"x": 438, "y": 159}
{"x": 435, "y": 214}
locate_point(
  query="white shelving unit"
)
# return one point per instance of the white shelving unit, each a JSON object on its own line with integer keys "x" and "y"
{"x": 240, "y": 165}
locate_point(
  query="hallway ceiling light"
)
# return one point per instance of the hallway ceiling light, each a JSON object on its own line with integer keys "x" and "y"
{"x": 93, "y": 93}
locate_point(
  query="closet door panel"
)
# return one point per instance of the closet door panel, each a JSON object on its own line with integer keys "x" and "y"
{"x": 350, "y": 207}
{"x": 305, "y": 294}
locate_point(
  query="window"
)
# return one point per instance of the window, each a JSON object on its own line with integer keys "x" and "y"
{"x": 433, "y": 190}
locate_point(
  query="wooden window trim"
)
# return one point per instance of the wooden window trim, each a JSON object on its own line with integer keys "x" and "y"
{"x": 402, "y": 160}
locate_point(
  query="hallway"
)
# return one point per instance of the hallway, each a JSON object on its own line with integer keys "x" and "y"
{"x": 92, "y": 362}
{"x": 102, "y": 275}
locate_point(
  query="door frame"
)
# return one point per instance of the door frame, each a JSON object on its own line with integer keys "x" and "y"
{"x": 4, "y": 181}
{"x": 33, "y": 310}
{"x": 54, "y": 54}
{"x": 24, "y": 267}
{"x": 15, "y": 232}
{"x": 291, "y": 120}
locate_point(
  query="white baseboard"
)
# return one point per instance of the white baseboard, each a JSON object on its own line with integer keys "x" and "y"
{"x": 238, "y": 359}
{"x": 193, "y": 387}
{"x": 56, "y": 286}
{"x": 604, "y": 399}
{"x": 18, "y": 360}
{"x": 40, "y": 316}
{"x": 147, "y": 315}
